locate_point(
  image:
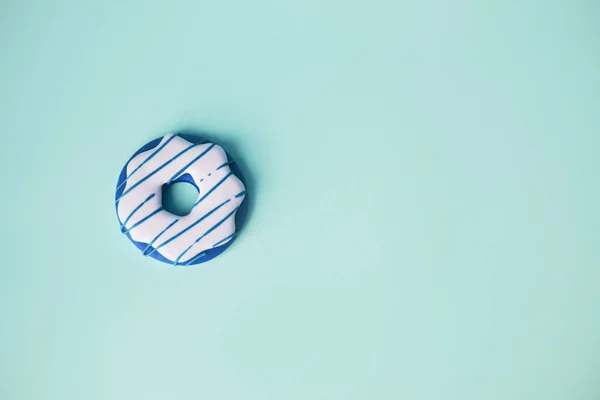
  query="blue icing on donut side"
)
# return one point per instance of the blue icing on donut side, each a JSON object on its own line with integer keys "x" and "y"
{"x": 206, "y": 255}
{"x": 185, "y": 178}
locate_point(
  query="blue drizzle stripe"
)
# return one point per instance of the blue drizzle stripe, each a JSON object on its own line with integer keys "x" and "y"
{"x": 199, "y": 256}
{"x": 202, "y": 218}
{"x": 156, "y": 170}
{"x": 157, "y": 236}
{"x": 220, "y": 242}
{"x": 146, "y": 160}
{"x": 240, "y": 194}
{"x": 146, "y": 218}
{"x": 135, "y": 210}
{"x": 213, "y": 189}
{"x": 225, "y": 164}
{"x": 205, "y": 234}
{"x": 190, "y": 163}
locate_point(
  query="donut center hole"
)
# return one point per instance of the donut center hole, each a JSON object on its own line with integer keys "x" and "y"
{"x": 178, "y": 198}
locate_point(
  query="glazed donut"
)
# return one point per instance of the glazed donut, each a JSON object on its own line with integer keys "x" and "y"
{"x": 209, "y": 228}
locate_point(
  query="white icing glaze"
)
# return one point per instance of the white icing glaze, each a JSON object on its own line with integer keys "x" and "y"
{"x": 163, "y": 168}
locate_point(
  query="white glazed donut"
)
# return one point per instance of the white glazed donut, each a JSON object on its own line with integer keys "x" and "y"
{"x": 209, "y": 228}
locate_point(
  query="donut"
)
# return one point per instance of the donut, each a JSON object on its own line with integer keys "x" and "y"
{"x": 215, "y": 218}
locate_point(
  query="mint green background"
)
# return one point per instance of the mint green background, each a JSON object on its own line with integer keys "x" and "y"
{"x": 424, "y": 179}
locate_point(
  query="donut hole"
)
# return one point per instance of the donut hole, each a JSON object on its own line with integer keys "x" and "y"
{"x": 179, "y": 197}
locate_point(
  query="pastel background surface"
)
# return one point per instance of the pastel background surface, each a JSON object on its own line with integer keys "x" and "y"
{"x": 424, "y": 187}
